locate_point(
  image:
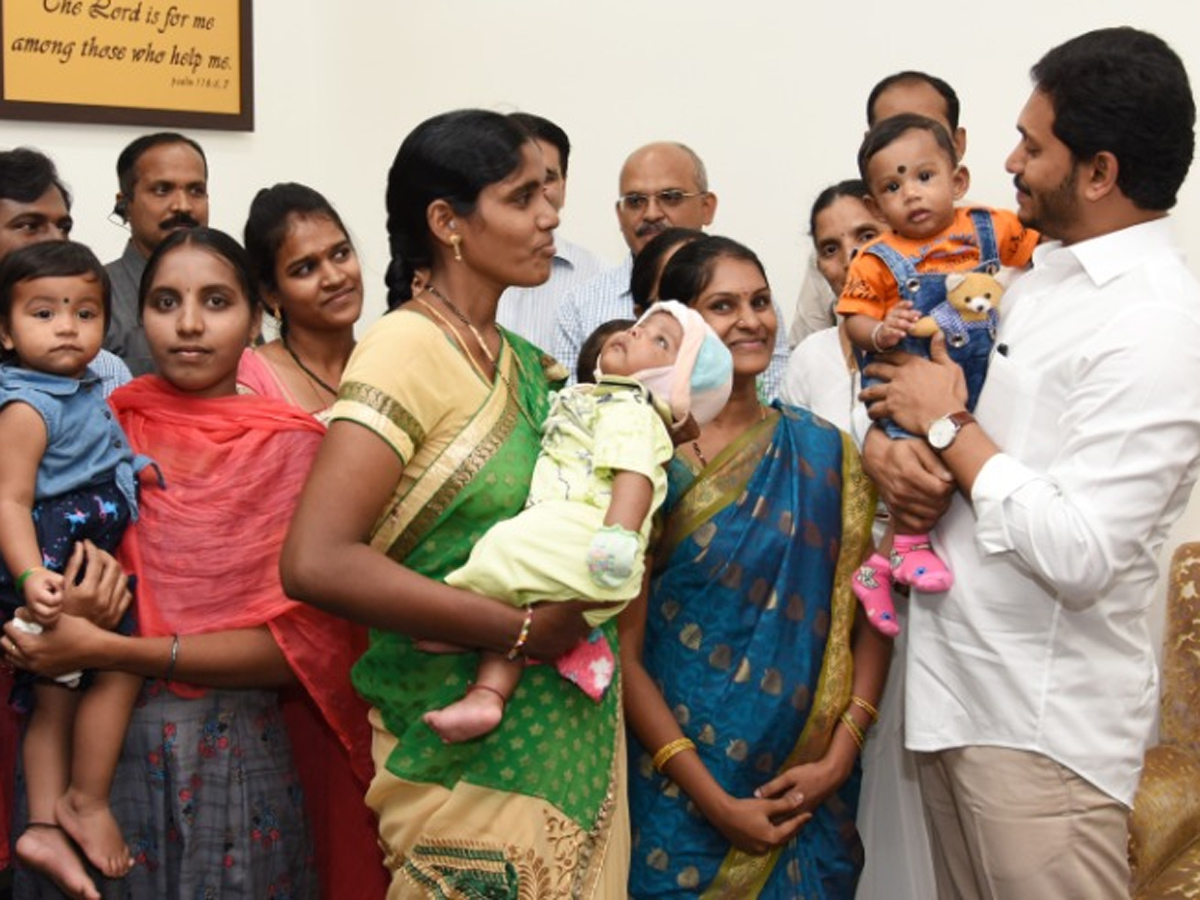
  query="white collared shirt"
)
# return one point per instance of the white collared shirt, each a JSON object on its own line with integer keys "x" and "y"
{"x": 532, "y": 312}
{"x": 1093, "y": 395}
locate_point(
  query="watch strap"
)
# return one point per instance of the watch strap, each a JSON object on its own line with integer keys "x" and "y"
{"x": 938, "y": 437}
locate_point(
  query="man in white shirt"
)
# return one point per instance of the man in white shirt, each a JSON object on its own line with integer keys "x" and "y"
{"x": 1032, "y": 683}
{"x": 532, "y": 311}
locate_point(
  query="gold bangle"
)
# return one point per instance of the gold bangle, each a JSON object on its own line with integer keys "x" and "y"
{"x": 518, "y": 647}
{"x": 669, "y": 751}
{"x": 855, "y": 732}
{"x": 866, "y": 707}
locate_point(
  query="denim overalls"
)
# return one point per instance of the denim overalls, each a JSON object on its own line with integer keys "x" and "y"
{"x": 926, "y": 291}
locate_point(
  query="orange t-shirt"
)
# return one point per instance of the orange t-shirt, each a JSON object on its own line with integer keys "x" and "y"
{"x": 871, "y": 289}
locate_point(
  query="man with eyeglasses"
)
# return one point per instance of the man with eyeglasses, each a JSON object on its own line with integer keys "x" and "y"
{"x": 662, "y": 185}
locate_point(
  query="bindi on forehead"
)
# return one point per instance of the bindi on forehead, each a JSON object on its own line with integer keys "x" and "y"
{"x": 900, "y": 170}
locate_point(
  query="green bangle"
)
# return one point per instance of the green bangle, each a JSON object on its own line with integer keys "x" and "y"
{"x": 24, "y": 575}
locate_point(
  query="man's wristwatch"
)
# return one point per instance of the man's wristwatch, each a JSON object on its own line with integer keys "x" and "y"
{"x": 943, "y": 431}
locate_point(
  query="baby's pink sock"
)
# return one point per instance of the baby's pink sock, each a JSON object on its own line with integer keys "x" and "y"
{"x": 915, "y": 563}
{"x": 872, "y": 584}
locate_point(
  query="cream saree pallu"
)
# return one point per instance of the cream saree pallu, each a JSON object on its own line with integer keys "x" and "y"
{"x": 748, "y": 636}
{"x": 536, "y": 809}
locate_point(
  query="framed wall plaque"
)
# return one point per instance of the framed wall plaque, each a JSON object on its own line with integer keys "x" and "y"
{"x": 174, "y": 63}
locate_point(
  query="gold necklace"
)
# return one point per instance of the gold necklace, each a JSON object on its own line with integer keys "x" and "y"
{"x": 458, "y": 341}
{"x": 762, "y": 417}
{"x": 462, "y": 317}
{"x": 458, "y": 314}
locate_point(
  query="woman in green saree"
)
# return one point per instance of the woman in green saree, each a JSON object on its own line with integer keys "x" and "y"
{"x": 747, "y": 687}
{"x": 433, "y": 439}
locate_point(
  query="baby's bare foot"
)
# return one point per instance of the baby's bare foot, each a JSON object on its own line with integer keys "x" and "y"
{"x": 45, "y": 848}
{"x": 479, "y": 712}
{"x": 91, "y": 824}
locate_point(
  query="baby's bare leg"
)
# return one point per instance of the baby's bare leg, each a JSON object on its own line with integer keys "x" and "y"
{"x": 482, "y": 708}
{"x": 43, "y": 846}
{"x": 83, "y": 810}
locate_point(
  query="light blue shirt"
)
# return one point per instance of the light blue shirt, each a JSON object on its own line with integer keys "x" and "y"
{"x": 599, "y": 300}
{"x": 111, "y": 370}
{"x": 532, "y": 312}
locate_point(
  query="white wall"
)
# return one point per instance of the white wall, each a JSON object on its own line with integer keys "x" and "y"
{"x": 770, "y": 94}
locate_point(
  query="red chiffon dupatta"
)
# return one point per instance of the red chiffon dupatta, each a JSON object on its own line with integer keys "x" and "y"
{"x": 206, "y": 552}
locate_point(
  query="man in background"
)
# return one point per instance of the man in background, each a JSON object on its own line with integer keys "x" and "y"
{"x": 909, "y": 91}
{"x": 532, "y": 311}
{"x": 662, "y": 185}
{"x": 163, "y": 180}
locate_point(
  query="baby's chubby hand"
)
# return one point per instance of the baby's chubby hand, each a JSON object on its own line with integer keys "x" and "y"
{"x": 43, "y": 592}
{"x": 895, "y": 325}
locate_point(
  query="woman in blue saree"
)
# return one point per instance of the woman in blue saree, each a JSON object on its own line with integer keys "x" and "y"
{"x": 747, "y": 688}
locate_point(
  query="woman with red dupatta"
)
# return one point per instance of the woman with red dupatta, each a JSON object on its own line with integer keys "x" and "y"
{"x": 206, "y": 790}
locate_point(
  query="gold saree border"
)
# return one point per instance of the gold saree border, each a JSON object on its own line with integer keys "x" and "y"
{"x": 377, "y": 410}
{"x": 412, "y": 514}
{"x": 565, "y": 862}
{"x": 718, "y": 484}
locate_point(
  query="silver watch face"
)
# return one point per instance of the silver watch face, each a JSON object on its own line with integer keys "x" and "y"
{"x": 941, "y": 433}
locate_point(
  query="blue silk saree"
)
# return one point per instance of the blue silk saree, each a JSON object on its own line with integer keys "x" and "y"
{"x": 748, "y": 637}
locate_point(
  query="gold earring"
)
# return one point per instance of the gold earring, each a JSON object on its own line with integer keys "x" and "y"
{"x": 456, "y": 243}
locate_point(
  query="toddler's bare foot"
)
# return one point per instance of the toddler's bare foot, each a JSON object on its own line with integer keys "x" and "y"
{"x": 91, "y": 824}
{"x": 44, "y": 847}
{"x": 477, "y": 713}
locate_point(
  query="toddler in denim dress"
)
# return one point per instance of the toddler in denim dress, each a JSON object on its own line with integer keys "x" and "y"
{"x": 67, "y": 475}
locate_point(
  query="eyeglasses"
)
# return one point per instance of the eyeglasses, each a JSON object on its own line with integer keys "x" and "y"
{"x": 668, "y": 199}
